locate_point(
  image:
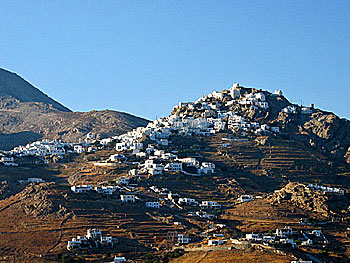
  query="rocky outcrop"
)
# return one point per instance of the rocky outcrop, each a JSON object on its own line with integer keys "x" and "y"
{"x": 301, "y": 196}
{"x": 347, "y": 156}
{"x": 42, "y": 200}
{"x": 323, "y": 125}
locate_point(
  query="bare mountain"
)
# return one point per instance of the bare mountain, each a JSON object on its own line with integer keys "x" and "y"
{"x": 27, "y": 114}
{"x": 15, "y": 86}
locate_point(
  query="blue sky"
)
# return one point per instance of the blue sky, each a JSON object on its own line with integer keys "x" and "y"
{"x": 143, "y": 57}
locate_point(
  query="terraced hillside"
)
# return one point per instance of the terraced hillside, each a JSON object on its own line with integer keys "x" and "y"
{"x": 31, "y": 215}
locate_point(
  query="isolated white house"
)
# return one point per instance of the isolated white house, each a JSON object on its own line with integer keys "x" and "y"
{"x": 182, "y": 239}
{"x": 127, "y": 198}
{"x": 152, "y": 204}
{"x": 35, "y": 180}
{"x": 119, "y": 259}
{"x": 245, "y": 198}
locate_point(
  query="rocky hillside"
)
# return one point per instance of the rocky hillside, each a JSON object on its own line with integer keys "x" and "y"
{"x": 27, "y": 114}
{"x": 316, "y": 128}
{"x": 318, "y": 202}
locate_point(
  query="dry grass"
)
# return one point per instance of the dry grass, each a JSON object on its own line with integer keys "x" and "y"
{"x": 231, "y": 257}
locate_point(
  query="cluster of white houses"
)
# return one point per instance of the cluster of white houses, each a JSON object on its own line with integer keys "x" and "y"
{"x": 156, "y": 161}
{"x": 182, "y": 202}
{"x": 111, "y": 189}
{"x": 206, "y": 116}
{"x": 48, "y": 147}
{"x": 7, "y": 161}
{"x": 93, "y": 239}
{"x": 108, "y": 190}
{"x": 289, "y": 236}
{"x": 326, "y": 189}
{"x": 154, "y": 165}
{"x": 214, "y": 117}
{"x": 41, "y": 148}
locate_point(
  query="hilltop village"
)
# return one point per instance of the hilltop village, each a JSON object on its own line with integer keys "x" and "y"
{"x": 155, "y": 159}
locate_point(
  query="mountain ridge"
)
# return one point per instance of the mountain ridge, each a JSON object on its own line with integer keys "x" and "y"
{"x": 12, "y": 84}
{"x": 27, "y": 114}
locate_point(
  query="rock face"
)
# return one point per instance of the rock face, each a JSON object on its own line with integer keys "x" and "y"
{"x": 301, "y": 196}
{"x": 321, "y": 130}
{"x": 42, "y": 200}
{"x": 347, "y": 156}
{"x": 27, "y": 115}
{"x": 317, "y": 202}
{"x": 323, "y": 126}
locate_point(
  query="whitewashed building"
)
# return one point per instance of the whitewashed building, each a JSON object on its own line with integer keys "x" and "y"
{"x": 152, "y": 204}
{"x": 128, "y": 198}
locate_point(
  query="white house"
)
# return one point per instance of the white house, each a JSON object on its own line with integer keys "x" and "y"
{"x": 116, "y": 157}
{"x": 119, "y": 259}
{"x": 306, "y": 110}
{"x": 262, "y": 104}
{"x": 283, "y": 232}
{"x": 207, "y": 168}
{"x": 252, "y": 236}
{"x": 122, "y": 180}
{"x": 182, "y": 239}
{"x": 290, "y": 109}
{"x": 78, "y": 148}
{"x": 81, "y": 188}
{"x": 108, "y": 190}
{"x": 5, "y": 159}
{"x": 35, "y": 180}
{"x": 278, "y": 92}
{"x": 121, "y": 146}
{"x": 89, "y": 136}
{"x": 189, "y": 161}
{"x": 93, "y": 233}
{"x": 204, "y": 214}
{"x": 173, "y": 167}
{"x": 133, "y": 172}
{"x": 275, "y": 129}
{"x": 152, "y": 204}
{"x": 210, "y": 204}
{"x": 106, "y": 141}
{"x": 127, "y": 198}
{"x": 93, "y": 237}
{"x": 219, "y": 125}
{"x": 245, "y": 198}
{"x": 187, "y": 201}
{"x": 234, "y": 91}
{"x": 217, "y": 95}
